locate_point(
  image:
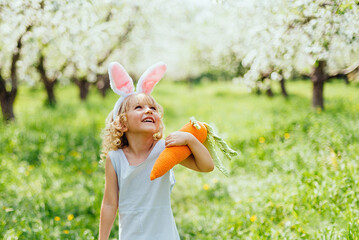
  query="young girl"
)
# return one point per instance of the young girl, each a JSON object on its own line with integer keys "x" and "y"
{"x": 131, "y": 144}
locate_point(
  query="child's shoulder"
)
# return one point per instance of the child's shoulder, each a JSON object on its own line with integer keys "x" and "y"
{"x": 161, "y": 144}
{"x": 114, "y": 154}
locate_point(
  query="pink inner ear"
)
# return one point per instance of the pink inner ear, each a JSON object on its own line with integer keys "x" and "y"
{"x": 121, "y": 79}
{"x": 152, "y": 79}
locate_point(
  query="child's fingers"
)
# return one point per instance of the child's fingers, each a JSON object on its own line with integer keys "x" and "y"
{"x": 173, "y": 141}
{"x": 177, "y": 139}
{"x": 170, "y": 142}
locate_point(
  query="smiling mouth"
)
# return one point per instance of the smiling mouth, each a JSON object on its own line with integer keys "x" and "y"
{"x": 149, "y": 120}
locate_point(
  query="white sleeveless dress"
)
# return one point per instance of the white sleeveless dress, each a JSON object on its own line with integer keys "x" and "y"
{"x": 144, "y": 205}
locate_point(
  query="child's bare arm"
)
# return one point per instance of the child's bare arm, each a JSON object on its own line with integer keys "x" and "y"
{"x": 110, "y": 201}
{"x": 200, "y": 160}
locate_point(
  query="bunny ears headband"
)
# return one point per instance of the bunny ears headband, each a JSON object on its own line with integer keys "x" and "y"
{"x": 122, "y": 83}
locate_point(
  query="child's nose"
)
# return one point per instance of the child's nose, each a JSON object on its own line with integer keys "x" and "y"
{"x": 148, "y": 111}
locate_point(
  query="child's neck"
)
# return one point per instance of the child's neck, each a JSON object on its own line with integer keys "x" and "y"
{"x": 139, "y": 147}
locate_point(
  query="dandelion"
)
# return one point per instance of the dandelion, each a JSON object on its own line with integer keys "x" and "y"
{"x": 57, "y": 218}
{"x": 70, "y": 217}
{"x": 205, "y": 187}
{"x": 62, "y": 157}
{"x": 262, "y": 139}
{"x": 66, "y": 231}
{"x": 286, "y": 135}
{"x": 75, "y": 154}
{"x": 253, "y": 218}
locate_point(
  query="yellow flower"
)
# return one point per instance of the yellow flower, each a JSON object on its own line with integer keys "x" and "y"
{"x": 358, "y": 221}
{"x": 31, "y": 167}
{"x": 286, "y": 135}
{"x": 57, "y": 218}
{"x": 66, "y": 231}
{"x": 62, "y": 157}
{"x": 253, "y": 218}
{"x": 70, "y": 217}
{"x": 75, "y": 154}
{"x": 250, "y": 200}
{"x": 205, "y": 187}
{"x": 262, "y": 139}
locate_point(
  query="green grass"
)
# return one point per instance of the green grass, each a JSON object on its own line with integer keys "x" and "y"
{"x": 296, "y": 176}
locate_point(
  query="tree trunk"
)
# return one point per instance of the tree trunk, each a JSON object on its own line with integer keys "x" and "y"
{"x": 7, "y": 98}
{"x": 103, "y": 84}
{"x": 283, "y": 88}
{"x": 7, "y": 108}
{"x": 258, "y": 91}
{"x": 7, "y": 102}
{"x": 318, "y": 78}
{"x": 49, "y": 83}
{"x": 269, "y": 92}
{"x": 84, "y": 86}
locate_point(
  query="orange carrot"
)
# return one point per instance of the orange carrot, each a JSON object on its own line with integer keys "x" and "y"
{"x": 174, "y": 155}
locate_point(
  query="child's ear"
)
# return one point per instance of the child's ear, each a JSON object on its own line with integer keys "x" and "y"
{"x": 124, "y": 129}
{"x": 151, "y": 77}
{"x": 123, "y": 123}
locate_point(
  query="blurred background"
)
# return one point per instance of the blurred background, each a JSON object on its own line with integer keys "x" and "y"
{"x": 278, "y": 79}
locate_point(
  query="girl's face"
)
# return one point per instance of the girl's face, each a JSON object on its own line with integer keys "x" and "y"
{"x": 142, "y": 116}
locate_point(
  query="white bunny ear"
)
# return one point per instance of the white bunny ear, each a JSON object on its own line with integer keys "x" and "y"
{"x": 121, "y": 82}
{"x": 151, "y": 77}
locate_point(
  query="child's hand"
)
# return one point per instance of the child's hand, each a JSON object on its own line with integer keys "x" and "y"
{"x": 178, "y": 139}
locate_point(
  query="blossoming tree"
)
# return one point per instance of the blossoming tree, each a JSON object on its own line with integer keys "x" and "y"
{"x": 317, "y": 38}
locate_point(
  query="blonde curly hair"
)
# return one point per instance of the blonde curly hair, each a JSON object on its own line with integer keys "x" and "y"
{"x": 113, "y": 135}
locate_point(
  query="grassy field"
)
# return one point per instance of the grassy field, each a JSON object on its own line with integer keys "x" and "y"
{"x": 296, "y": 176}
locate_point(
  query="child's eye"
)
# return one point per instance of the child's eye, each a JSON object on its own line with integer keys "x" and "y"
{"x": 153, "y": 108}
{"x": 138, "y": 107}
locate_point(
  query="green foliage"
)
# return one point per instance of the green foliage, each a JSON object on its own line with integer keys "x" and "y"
{"x": 212, "y": 75}
{"x": 296, "y": 176}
